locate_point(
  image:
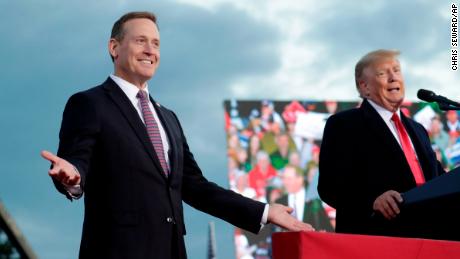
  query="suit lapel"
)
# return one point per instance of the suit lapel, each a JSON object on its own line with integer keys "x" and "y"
{"x": 131, "y": 115}
{"x": 381, "y": 131}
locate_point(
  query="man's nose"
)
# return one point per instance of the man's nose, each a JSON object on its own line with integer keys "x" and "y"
{"x": 150, "y": 48}
{"x": 392, "y": 76}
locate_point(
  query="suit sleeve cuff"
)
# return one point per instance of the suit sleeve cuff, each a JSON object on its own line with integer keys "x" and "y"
{"x": 74, "y": 191}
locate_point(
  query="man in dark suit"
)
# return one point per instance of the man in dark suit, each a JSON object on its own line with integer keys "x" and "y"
{"x": 368, "y": 157}
{"x": 306, "y": 209}
{"x": 452, "y": 124}
{"x": 129, "y": 156}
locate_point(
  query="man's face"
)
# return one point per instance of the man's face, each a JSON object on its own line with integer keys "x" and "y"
{"x": 383, "y": 83}
{"x": 291, "y": 180}
{"x": 137, "y": 55}
{"x": 452, "y": 116}
{"x": 266, "y": 111}
{"x": 435, "y": 126}
{"x": 283, "y": 141}
{"x": 263, "y": 162}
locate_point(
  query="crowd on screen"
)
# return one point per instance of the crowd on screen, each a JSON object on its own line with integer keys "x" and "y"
{"x": 269, "y": 161}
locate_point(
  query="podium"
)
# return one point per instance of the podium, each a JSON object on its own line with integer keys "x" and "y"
{"x": 433, "y": 209}
{"x": 322, "y": 245}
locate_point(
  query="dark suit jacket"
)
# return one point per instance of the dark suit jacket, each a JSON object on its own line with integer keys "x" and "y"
{"x": 359, "y": 160}
{"x": 131, "y": 209}
{"x": 313, "y": 214}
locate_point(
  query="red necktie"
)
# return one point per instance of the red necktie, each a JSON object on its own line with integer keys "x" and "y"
{"x": 408, "y": 151}
{"x": 152, "y": 130}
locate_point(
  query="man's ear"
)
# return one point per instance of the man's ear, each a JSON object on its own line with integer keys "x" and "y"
{"x": 113, "y": 48}
{"x": 363, "y": 88}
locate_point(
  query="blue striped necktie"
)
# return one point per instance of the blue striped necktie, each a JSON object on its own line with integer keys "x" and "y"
{"x": 153, "y": 130}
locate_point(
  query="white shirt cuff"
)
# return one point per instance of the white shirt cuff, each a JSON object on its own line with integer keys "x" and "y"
{"x": 264, "y": 219}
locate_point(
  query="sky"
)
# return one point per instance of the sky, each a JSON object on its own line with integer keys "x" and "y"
{"x": 211, "y": 50}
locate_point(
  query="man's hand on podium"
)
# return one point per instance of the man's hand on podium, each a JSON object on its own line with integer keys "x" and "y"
{"x": 388, "y": 204}
{"x": 280, "y": 215}
{"x": 62, "y": 170}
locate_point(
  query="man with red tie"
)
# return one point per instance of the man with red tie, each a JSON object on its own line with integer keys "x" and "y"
{"x": 371, "y": 154}
{"x": 129, "y": 156}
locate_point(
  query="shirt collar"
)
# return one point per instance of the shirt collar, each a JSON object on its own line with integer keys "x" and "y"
{"x": 129, "y": 89}
{"x": 384, "y": 113}
{"x": 299, "y": 194}
{"x": 453, "y": 124}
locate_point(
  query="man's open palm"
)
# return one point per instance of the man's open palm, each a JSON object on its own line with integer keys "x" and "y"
{"x": 62, "y": 170}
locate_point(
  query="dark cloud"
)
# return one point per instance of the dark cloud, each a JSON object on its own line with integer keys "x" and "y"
{"x": 51, "y": 49}
{"x": 417, "y": 28}
{"x": 205, "y": 50}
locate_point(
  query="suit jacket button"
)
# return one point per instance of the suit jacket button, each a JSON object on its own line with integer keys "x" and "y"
{"x": 169, "y": 219}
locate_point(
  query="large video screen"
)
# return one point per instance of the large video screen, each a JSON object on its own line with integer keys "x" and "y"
{"x": 273, "y": 150}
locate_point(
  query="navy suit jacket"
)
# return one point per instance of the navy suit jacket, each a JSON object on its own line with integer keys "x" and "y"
{"x": 359, "y": 160}
{"x": 132, "y": 210}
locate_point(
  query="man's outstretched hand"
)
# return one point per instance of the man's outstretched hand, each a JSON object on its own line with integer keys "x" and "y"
{"x": 62, "y": 170}
{"x": 280, "y": 215}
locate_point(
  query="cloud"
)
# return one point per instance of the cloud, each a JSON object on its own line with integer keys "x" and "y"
{"x": 322, "y": 41}
{"x": 208, "y": 49}
{"x": 211, "y": 50}
{"x": 51, "y": 49}
{"x": 347, "y": 31}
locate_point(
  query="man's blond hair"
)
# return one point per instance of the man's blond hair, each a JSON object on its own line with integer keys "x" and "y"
{"x": 369, "y": 59}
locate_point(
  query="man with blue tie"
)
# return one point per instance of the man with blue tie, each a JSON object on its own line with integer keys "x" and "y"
{"x": 129, "y": 156}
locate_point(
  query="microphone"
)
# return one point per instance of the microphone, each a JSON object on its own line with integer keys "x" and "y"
{"x": 444, "y": 103}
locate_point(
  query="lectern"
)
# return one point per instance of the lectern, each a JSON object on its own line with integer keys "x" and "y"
{"x": 433, "y": 209}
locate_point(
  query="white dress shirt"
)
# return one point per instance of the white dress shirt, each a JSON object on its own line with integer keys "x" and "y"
{"x": 453, "y": 126}
{"x": 297, "y": 201}
{"x": 131, "y": 92}
{"x": 386, "y": 116}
